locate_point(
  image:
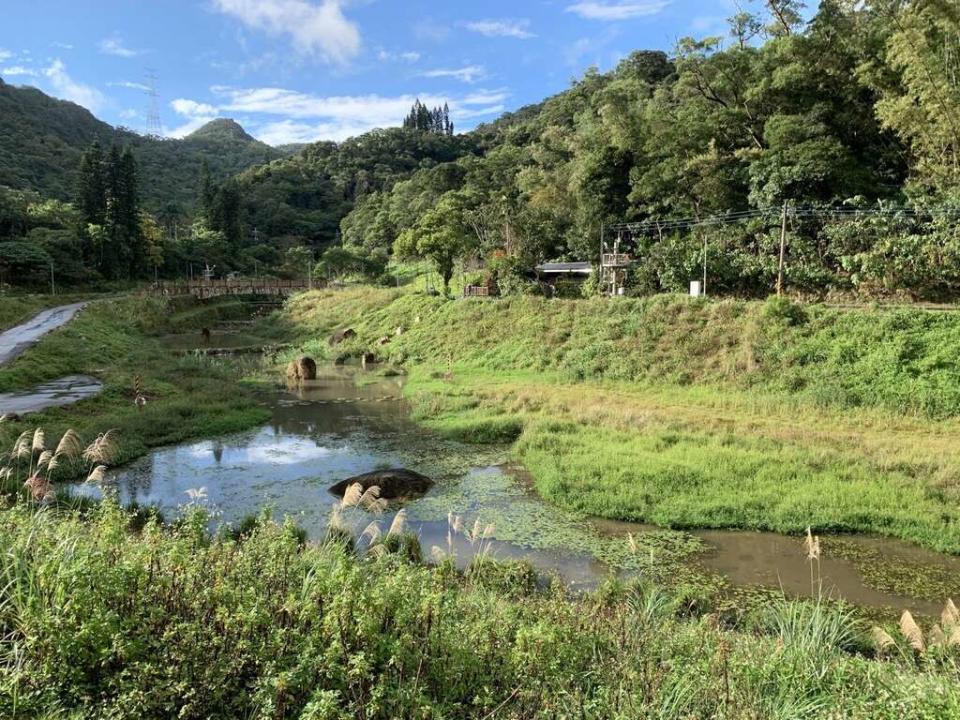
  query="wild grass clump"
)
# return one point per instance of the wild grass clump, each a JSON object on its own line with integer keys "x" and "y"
{"x": 98, "y": 621}
{"x": 33, "y": 468}
{"x": 939, "y": 645}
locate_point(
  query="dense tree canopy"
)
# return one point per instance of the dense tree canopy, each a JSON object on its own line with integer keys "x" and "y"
{"x": 845, "y": 121}
{"x": 855, "y": 107}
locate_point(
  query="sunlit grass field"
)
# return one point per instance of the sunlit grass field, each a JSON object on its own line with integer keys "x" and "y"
{"x": 687, "y": 413}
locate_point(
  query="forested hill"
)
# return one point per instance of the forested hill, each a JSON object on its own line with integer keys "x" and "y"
{"x": 848, "y": 118}
{"x": 42, "y": 140}
{"x": 840, "y": 126}
{"x": 305, "y": 197}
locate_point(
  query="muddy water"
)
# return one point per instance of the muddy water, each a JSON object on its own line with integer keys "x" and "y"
{"x": 349, "y": 422}
{"x": 16, "y": 340}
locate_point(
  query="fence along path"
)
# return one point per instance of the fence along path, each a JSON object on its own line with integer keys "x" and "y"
{"x": 215, "y": 288}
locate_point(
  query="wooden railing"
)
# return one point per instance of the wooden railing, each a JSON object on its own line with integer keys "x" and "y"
{"x": 476, "y": 291}
{"x": 216, "y": 288}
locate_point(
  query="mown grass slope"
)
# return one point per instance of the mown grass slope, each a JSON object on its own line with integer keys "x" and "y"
{"x": 907, "y": 361}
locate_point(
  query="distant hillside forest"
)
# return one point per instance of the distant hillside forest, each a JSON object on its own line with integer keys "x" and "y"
{"x": 855, "y": 109}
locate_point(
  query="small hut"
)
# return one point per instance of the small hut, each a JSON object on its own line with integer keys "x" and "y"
{"x": 556, "y": 276}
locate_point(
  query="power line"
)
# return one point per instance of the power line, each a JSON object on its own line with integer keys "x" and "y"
{"x": 773, "y": 213}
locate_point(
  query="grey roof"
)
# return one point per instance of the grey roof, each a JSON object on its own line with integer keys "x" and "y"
{"x": 567, "y": 268}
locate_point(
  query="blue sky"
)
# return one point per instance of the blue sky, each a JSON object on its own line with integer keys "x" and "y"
{"x": 305, "y": 70}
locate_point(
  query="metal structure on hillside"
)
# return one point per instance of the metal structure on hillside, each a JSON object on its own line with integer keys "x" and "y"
{"x": 153, "y": 128}
{"x": 614, "y": 262}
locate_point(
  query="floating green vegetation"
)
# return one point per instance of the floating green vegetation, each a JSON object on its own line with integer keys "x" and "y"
{"x": 496, "y": 497}
{"x": 889, "y": 568}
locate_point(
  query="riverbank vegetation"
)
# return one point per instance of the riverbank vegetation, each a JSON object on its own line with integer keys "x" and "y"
{"x": 119, "y": 341}
{"x": 168, "y": 621}
{"x": 686, "y": 413}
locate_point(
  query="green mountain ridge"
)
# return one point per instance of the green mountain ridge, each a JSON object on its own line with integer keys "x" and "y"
{"x": 222, "y": 129}
{"x": 42, "y": 140}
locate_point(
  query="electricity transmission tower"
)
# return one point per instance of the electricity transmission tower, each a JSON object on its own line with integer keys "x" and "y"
{"x": 154, "y": 128}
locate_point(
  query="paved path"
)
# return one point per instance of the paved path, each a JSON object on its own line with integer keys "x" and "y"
{"x": 64, "y": 391}
{"x": 55, "y": 393}
{"x": 16, "y": 340}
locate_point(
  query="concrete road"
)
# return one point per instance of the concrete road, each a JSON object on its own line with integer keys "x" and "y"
{"x": 17, "y": 340}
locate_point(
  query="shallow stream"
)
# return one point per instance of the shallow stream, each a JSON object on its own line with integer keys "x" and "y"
{"x": 350, "y": 422}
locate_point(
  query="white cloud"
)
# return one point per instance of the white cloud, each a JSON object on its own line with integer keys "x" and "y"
{"x": 62, "y": 45}
{"x": 502, "y": 28}
{"x": 5, "y": 55}
{"x": 198, "y": 114}
{"x": 69, "y": 89}
{"x": 387, "y": 56}
{"x": 285, "y": 132}
{"x": 129, "y": 114}
{"x": 191, "y": 108}
{"x": 316, "y": 29}
{"x": 114, "y": 46}
{"x": 469, "y": 74}
{"x": 605, "y": 10}
{"x": 188, "y": 127}
{"x": 18, "y": 70}
{"x": 129, "y": 85}
{"x": 299, "y": 117}
{"x": 428, "y": 29}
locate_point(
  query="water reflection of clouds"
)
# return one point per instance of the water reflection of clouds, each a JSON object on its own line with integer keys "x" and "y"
{"x": 265, "y": 448}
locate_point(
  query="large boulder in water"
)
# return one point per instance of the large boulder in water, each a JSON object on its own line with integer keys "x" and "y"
{"x": 340, "y": 335}
{"x": 393, "y": 484}
{"x": 303, "y": 368}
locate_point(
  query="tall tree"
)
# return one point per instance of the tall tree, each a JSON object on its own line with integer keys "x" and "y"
{"x": 91, "y": 190}
{"x": 921, "y": 100}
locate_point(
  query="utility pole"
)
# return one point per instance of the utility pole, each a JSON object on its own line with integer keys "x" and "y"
{"x": 783, "y": 248}
{"x": 601, "y": 273}
{"x": 704, "y": 289}
{"x": 53, "y": 288}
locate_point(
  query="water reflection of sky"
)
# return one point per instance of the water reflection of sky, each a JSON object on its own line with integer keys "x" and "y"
{"x": 289, "y": 473}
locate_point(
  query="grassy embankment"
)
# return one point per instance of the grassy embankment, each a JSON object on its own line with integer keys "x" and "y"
{"x": 116, "y": 340}
{"x": 102, "y": 617}
{"x": 689, "y": 413}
